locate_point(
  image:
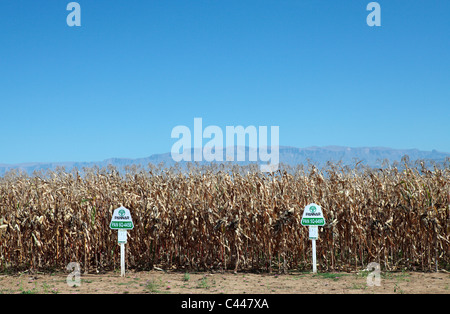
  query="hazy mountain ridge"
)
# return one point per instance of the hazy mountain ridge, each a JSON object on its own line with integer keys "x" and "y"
{"x": 370, "y": 156}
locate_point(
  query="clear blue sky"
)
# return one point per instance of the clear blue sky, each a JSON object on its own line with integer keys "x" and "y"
{"x": 117, "y": 85}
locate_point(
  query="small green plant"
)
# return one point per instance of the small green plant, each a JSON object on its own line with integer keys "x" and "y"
{"x": 153, "y": 286}
{"x": 334, "y": 277}
{"x": 31, "y": 291}
{"x": 203, "y": 284}
{"x": 186, "y": 277}
{"x": 397, "y": 289}
{"x": 404, "y": 276}
{"x": 362, "y": 274}
{"x": 45, "y": 287}
{"x": 358, "y": 286}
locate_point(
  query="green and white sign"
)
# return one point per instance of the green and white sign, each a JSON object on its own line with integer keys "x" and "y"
{"x": 121, "y": 219}
{"x": 312, "y": 216}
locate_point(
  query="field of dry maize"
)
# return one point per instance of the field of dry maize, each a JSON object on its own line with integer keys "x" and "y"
{"x": 227, "y": 218}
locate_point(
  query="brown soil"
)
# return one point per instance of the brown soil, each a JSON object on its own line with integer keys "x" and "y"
{"x": 216, "y": 283}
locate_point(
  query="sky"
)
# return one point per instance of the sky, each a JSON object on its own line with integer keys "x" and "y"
{"x": 117, "y": 85}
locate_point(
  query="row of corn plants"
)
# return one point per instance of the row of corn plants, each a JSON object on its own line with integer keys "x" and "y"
{"x": 224, "y": 217}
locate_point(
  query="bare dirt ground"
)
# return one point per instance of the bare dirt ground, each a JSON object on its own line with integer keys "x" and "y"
{"x": 158, "y": 282}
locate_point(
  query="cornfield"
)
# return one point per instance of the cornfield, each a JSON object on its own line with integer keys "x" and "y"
{"x": 227, "y": 217}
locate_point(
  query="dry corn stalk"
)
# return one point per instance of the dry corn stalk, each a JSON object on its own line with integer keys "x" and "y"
{"x": 227, "y": 217}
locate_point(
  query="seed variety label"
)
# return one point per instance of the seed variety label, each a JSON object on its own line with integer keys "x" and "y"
{"x": 122, "y": 236}
{"x": 121, "y": 219}
{"x": 313, "y": 232}
{"x": 312, "y": 216}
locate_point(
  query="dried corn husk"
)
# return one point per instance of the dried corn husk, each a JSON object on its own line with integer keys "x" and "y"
{"x": 228, "y": 217}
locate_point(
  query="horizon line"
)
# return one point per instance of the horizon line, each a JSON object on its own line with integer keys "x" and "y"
{"x": 32, "y": 163}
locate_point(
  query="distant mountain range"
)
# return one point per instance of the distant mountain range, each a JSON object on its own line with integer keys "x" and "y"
{"x": 370, "y": 156}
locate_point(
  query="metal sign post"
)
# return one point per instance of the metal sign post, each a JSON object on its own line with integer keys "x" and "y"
{"x": 314, "y": 256}
{"x": 122, "y": 239}
{"x": 122, "y": 259}
{"x": 313, "y": 236}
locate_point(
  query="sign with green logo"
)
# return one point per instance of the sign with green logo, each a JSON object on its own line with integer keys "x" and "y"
{"x": 121, "y": 219}
{"x": 312, "y": 216}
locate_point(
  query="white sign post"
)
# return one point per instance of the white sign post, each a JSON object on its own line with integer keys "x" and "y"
{"x": 121, "y": 221}
{"x": 313, "y": 217}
